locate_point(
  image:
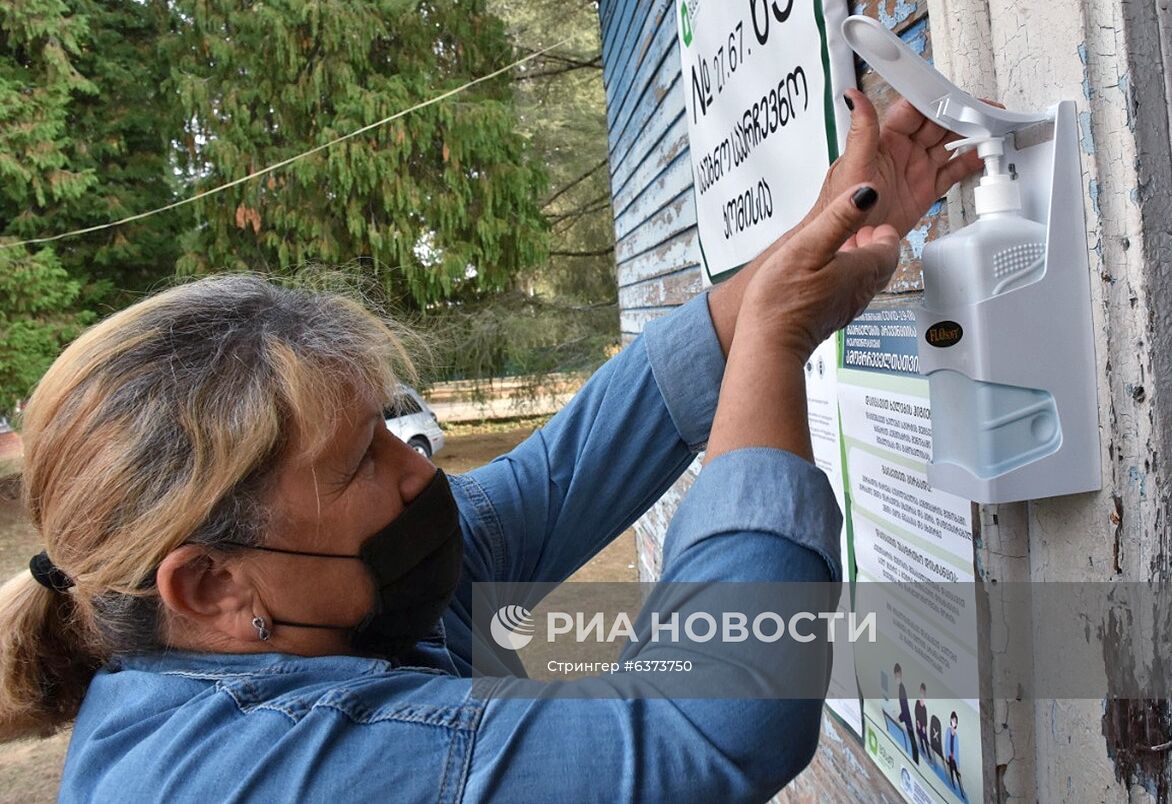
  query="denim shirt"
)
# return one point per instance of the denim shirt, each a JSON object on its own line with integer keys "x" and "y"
{"x": 189, "y": 727}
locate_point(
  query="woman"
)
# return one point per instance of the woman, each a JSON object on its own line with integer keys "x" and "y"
{"x": 252, "y": 591}
{"x": 952, "y": 753}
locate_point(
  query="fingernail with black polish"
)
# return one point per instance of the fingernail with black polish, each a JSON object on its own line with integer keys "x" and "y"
{"x": 865, "y": 198}
{"x": 850, "y": 104}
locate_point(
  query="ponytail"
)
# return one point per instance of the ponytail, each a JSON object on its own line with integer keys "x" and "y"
{"x": 45, "y": 667}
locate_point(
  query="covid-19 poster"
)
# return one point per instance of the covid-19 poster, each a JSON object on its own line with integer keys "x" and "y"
{"x": 909, "y": 555}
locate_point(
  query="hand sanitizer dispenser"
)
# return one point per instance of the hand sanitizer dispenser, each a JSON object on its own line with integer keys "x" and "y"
{"x": 1005, "y": 331}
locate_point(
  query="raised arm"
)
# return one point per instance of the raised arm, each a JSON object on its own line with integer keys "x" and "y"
{"x": 746, "y": 720}
{"x": 542, "y": 510}
{"x": 545, "y": 508}
{"x": 806, "y": 292}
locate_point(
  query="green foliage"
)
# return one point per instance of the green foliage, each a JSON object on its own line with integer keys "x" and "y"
{"x": 37, "y": 84}
{"x": 442, "y": 202}
{"x": 123, "y": 134}
{"x": 563, "y": 315}
{"x": 36, "y": 319}
{"x": 562, "y": 112}
{"x": 84, "y": 138}
{"x": 515, "y": 334}
{"x": 113, "y": 107}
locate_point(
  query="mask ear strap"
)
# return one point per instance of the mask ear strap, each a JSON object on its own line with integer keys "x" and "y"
{"x": 314, "y": 625}
{"x": 291, "y": 552}
{"x": 292, "y": 623}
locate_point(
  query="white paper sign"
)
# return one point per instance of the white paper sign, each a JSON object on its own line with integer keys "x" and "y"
{"x": 763, "y": 81}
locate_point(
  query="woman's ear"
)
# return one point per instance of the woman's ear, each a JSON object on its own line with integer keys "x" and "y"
{"x": 207, "y": 595}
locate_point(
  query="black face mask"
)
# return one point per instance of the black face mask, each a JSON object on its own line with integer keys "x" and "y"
{"x": 415, "y": 565}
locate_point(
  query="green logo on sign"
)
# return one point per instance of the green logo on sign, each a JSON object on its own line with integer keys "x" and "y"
{"x": 685, "y": 23}
{"x": 872, "y": 741}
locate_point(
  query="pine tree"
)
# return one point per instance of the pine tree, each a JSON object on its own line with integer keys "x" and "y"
{"x": 38, "y": 82}
{"x": 438, "y": 204}
{"x": 37, "y": 317}
{"x": 562, "y": 314}
{"x": 124, "y": 132}
{"x": 562, "y": 112}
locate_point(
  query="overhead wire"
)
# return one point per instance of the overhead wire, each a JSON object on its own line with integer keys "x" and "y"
{"x": 285, "y": 162}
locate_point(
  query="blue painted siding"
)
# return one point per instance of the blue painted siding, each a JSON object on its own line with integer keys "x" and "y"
{"x": 656, "y": 248}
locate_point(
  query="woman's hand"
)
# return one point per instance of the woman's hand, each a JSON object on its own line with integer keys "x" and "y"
{"x": 805, "y": 290}
{"x": 904, "y": 160}
{"x": 824, "y": 276}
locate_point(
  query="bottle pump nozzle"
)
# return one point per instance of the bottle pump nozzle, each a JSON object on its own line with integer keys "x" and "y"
{"x": 998, "y": 192}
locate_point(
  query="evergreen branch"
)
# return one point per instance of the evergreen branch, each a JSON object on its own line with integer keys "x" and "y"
{"x": 282, "y": 163}
{"x": 309, "y": 59}
{"x": 575, "y": 182}
{"x": 594, "y": 65}
{"x": 594, "y": 61}
{"x": 593, "y": 205}
{"x": 566, "y": 224}
{"x": 602, "y": 252}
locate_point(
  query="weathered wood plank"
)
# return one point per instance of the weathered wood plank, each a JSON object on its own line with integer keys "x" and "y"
{"x": 662, "y": 291}
{"x": 606, "y": 10}
{"x": 675, "y": 216}
{"x": 654, "y": 70}
{"x": 663, "y": 153}
{"x": 631, "y": 49}
{"x": 670, "y": 183}
{"x": 640, "y": 51}
{"x": 681, "y": 251}
{"x": 669, "y": 108}
{"x": 629, "y": 16}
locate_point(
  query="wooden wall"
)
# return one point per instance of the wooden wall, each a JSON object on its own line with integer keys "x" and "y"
{"x": 651, "y": 177}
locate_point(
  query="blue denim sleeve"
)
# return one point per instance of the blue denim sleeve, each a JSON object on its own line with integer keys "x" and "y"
{"x": 757, "y": 515}
{"x": 769, "y": 494}
{"x": 546, "y": 507}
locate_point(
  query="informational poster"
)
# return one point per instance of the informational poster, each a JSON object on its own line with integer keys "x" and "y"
{"x": 909, "y": 552}
{"x": 763, "y": 81}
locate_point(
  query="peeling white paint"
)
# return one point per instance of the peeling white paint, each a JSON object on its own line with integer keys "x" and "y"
{"x": 1055, "y": 751}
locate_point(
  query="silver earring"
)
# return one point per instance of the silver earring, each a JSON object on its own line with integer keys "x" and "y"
{"x": 262, "y": 630}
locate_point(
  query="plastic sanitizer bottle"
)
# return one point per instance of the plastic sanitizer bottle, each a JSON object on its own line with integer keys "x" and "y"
{"x": 988, "y": 429}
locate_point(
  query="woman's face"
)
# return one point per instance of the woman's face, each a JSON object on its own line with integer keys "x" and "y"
{"x": 360, "y": 482}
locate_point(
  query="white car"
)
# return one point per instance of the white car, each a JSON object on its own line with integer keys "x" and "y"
{"x": 409, "y": 418}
